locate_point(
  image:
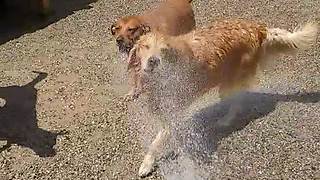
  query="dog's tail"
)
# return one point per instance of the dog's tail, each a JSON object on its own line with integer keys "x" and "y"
{"x": 282, "y": 41}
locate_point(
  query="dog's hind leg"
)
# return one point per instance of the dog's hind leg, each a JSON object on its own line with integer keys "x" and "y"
{"x": 242, "y": 80}
{"x": 154, "y": 149}
{"x": 231, "y": 92}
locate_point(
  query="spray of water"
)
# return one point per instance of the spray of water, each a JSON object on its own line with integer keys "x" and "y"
{"x": 172, "y": 96}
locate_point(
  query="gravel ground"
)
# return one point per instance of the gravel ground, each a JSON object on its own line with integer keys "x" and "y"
{"x": 80, "y": 98}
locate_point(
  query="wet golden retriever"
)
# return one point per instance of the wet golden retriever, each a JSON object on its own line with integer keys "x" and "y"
{"x": 225, "y": 55}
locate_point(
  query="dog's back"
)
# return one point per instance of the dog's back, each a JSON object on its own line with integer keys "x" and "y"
{"x": 213, "y": 43}
{"x": 172, "y": 17}
{"x": 232, "y": 49}
{"x": 229, "y": 51}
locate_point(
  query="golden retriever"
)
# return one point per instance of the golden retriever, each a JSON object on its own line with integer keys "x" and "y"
{"x": 225, "y": 55}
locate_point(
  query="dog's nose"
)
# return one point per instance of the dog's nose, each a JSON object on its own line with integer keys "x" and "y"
{"x": 119, "y": 40}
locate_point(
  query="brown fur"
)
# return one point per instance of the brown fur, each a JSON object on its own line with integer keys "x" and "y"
{"x": 229, "y": 49}
{"x": 172, "y": 17}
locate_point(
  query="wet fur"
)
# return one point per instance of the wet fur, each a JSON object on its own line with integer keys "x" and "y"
{"x": 225, "y": 54}
{"x": 229, "y": 50}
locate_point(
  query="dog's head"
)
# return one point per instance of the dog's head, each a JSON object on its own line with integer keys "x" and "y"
{"x": 127, "y": 31}
{"x": 151, "y": 50}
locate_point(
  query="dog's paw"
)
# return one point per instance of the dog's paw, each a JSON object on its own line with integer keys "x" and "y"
{"x": 131, "y": 96}
{"x": 146, "y": 166}
{"x": 128, "y": 97}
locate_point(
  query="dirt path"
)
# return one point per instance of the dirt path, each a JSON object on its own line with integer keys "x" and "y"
{"x": 71, "y": 125}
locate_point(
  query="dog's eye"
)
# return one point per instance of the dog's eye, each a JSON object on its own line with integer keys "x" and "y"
{"x": 115, "y": 28}
{"x": 132, "y": 29}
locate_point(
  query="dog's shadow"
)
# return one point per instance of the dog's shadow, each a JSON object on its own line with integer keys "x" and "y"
{"x": 18, "y": 119}
{"x": 204, "y": 133}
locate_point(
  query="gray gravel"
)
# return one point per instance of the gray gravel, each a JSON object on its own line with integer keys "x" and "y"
{"x": 81, "y": 96}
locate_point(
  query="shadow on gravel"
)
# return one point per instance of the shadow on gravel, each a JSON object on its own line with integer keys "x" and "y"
{"x": 207, "y": 133}
{"x": 18, "y": 17}
{"x": 18, "y": 119}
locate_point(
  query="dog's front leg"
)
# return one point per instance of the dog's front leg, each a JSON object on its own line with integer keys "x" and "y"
{"x": 132, "y": 94}
{"x": 136, "y": 85}
{"x": 154, "y": 149}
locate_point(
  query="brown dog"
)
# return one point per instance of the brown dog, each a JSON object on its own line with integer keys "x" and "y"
{"x": 172, "y": 17}
{"x": 224, "y": 55}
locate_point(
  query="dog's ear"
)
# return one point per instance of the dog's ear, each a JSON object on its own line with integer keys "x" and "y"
{"x": 142, "y": 30}
{"x": 133, "y": 59}
{"x": 113, "y": 29}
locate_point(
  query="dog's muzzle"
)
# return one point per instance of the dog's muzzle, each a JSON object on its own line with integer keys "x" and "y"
{"x": 122, "y": 45}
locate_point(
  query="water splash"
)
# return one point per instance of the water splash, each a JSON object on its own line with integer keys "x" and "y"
{"x": 192, "y": 121}
{"x": 170, "y": 98}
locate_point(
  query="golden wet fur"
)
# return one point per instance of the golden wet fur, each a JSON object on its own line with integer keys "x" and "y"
{"x": 229, "y": 50}
{"x": 225, "y": 54}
